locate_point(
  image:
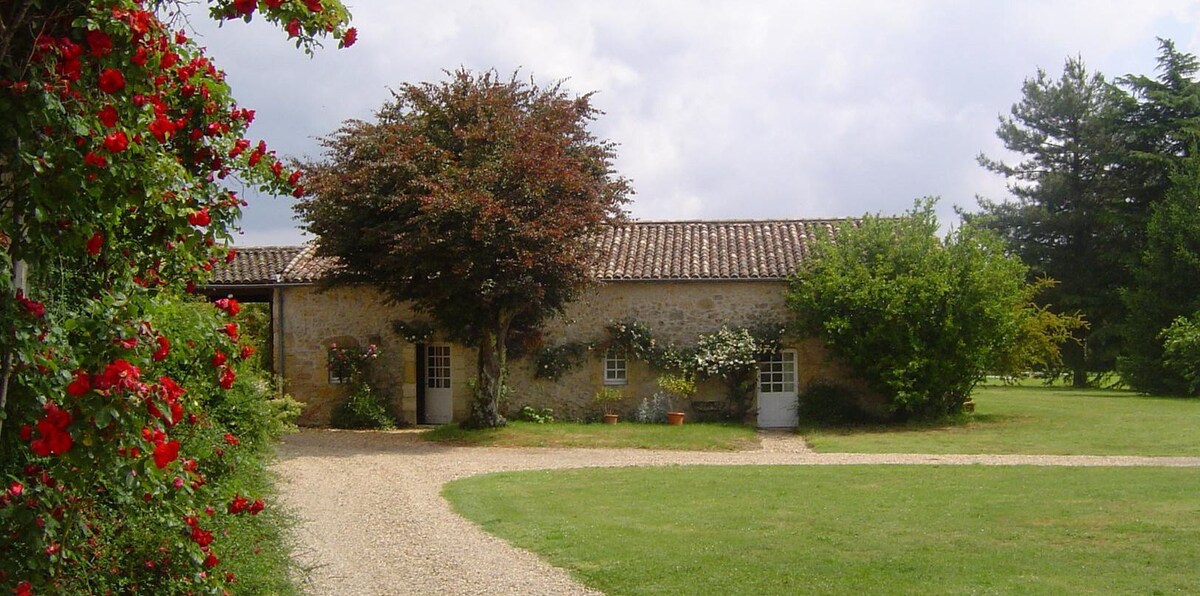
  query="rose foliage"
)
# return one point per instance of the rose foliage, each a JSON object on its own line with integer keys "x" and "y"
{"x": 120, "y": 146}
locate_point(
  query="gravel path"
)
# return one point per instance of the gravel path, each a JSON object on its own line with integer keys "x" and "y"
{"x": 373, "y": 521}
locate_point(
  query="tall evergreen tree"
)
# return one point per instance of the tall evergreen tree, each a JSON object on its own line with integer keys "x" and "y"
{"x": 1065, "y": 221}
{"x": 1166, "y": 285}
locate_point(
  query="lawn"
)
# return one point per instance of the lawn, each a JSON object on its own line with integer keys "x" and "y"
{"x": 1039, "y": 420}
{"x": 689, "y": 437}
{"x": 852, "y": 529}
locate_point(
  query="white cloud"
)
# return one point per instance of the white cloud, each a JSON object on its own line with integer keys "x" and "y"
{"x": 724, "y": 109}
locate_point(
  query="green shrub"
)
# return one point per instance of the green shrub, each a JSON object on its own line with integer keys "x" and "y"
{"x": 922, "y": 319}
{"x": 365, "y": 408}
{"x": 1181, "y": 351}
{"x": 535, "y": 415}
{"x": 830, "y": 404}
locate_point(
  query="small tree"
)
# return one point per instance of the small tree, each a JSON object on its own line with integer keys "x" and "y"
{"x": 921, "y": 318}
{"x": 472, "y": 199}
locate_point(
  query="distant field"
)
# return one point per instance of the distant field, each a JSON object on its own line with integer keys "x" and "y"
{"x": 1040, "y": 420}
{"x": 852, "y": 529}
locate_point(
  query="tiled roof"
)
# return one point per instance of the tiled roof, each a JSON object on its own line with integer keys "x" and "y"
{"x": 677, "y": 250}
{"x": 633, "y": 251}
{"x": 255, "y": 265}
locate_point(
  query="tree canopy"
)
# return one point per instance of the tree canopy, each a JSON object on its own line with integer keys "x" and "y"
{"x": 922, "y": 318}
{"x": 1097, "y": 206}
{"x": 474, "y": 200}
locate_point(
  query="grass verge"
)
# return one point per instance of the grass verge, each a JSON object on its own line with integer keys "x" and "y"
{"x": 689, "y": 437}
{"x": 1038, "y": 420}
{"x": 851, "y": 529}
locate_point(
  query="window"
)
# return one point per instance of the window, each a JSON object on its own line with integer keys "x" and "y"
{"x": 614, "y": 367}
{"x": 340, "y": 367}
{"x": 777, "y": 372}
{"x": 437, "y": 367}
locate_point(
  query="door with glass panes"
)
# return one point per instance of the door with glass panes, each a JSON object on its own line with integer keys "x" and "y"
{"x": 777, "y": 390}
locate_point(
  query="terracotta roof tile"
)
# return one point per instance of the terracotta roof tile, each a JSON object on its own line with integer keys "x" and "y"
{"x": 634, "y": 251}
{"x": 255, "y": 265}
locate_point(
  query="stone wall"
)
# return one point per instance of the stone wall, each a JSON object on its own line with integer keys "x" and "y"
{"x": 674, "y": 311}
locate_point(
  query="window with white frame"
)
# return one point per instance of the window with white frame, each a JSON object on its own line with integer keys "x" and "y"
{"x": 340, "y": 367}
{"x": 615, "y": 371}
{"x": 777, "y": 372}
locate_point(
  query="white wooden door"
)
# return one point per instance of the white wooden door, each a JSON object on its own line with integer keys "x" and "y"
{"x": 439, "y": 398}
{"x": 777, "y": 390}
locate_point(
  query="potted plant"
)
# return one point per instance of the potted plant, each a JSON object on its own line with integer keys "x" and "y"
{"x": 676, "y": 387}
{"x": 606, "y": 399}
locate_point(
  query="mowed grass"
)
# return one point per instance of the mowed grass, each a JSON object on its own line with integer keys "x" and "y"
{"x": 689, "y": 437}
{"x": 1039, "y": 420}
{"x": 852, "y": 529}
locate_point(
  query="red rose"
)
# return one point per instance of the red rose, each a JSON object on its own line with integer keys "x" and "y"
{"x": 94, "y": 243}
{"x": 273, "y": 3}
{"x": 199, "y": 218}
{"x": 230, "y": 439}
{"x": 95, "y": 160}
{"x": 116, "y": 142}
{"x": 201, "y": 537}
{"x": 15, "y": 489}
{"x": 99, "y": 42}
{"x": 231, "y": 329}
{"x": 27, "y": 433}
{"x": 211, "y": 561}
{"x": 162, "y": 128}
{"x": 349, "y": 37}
{"x": 120, "y": 374}
{"x": 111, "y": 80}
{"x": 35, "y": 308}
{"x": 164, "y": 348}
{"x": 218, "y": 359}
{"x": 229, "y": 305}
{"x": 227, "y": 377}
{"x": 293, "y": 28}
{"x": 244, "y": 7}
{"x": 230, "y": 256}
{"x": 257, "y": 506}
{"x": 238, "y": 504}
{"x": 108, "y": 116}
{"x": 239, "y": 146}
{"x": 247, "y": 352}
{"x": 165, "y": 453}
{"x": 313, "y": 5}
{"x": 81, "y": 385}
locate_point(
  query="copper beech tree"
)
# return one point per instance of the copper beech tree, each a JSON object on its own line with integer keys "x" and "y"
{"x": 474, "y": 200}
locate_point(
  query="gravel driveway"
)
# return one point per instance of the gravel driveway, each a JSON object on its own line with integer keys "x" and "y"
{"x": 373, "y": 521}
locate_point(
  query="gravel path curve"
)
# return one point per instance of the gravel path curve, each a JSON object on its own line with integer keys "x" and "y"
{"x": 373, "y": 521}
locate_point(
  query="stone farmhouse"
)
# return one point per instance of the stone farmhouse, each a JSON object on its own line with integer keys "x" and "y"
{"x": 679, "y": 278}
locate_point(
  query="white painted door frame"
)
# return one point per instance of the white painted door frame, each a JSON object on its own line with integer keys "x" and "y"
{"x": 777, "y": 390}
{"x": 439, "y": 383}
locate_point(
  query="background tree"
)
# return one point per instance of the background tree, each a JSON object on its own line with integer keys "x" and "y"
{"x": 474, "y": 200}
{"x": 1166, "y": 286}
{"x": 1067, "y": 221}
{"x": 921, "y": 318}
{"x": 1161, "y": 129}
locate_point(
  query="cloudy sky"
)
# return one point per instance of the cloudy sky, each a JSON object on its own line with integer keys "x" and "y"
{"x": 722, "y": 109}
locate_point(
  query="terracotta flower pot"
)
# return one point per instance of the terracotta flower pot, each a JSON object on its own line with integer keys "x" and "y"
{"x": 611, "y": 418}
{"x": 675, "y": 418}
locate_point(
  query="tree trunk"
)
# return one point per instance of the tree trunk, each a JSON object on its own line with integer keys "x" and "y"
{"x": 493, "y": 365}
